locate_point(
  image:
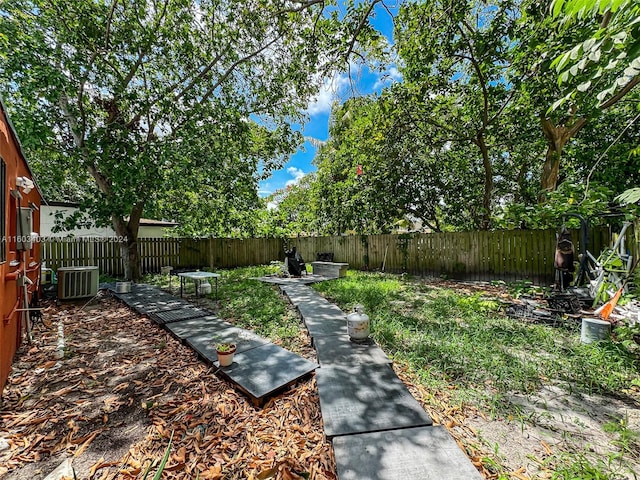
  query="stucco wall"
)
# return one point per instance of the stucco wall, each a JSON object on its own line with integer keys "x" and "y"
{"x": 48, "y": 219}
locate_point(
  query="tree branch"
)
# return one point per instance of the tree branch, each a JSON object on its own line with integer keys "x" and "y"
{"x": 593, "y": 169}
{"x": 234, "y": 65}
{"x": 576, "y": 127}
{"x": 359, "y": 28}
{"x": 476, "y": 67}
{"x": 303, "y": 6}
{"x": 108, "y": 27}
{"x": 78, "y": 137}
{"x": 104, "y": 184}
{"x": 133, "y": 70}
{"x": 616, "y": 98}
{"x": 135, "y": 216}
{"x": 199, "y": 76}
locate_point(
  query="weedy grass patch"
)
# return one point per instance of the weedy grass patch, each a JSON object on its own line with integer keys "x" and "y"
{"x": 461, "y": 343}
{"x": 451, "y": 338}
{"x": 253, "y": 305}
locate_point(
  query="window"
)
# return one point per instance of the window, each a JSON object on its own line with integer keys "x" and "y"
{"x": 3, "y": 211}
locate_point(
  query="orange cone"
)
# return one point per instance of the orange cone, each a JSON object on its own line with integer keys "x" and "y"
{"x": 610, "y": 305}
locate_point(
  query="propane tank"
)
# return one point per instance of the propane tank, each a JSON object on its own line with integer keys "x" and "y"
{"x": 358, "y": 324}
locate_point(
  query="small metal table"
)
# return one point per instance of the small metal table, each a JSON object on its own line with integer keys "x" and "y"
{"x": 197, "y": 277}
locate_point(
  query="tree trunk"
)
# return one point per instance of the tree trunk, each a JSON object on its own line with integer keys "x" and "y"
{"x": 557, "y": 137}
{"x": 128, "y": 233}
{"x": 485, "y": 224}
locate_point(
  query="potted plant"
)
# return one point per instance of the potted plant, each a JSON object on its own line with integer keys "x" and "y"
{"x": 225, "y": 353}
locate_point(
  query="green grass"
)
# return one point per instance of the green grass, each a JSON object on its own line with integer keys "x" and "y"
{"x": 464, "y": 346}
{"x": 447, "y": 338}
{"x": 258, "y": 306}
{"x": 252, "y": 304}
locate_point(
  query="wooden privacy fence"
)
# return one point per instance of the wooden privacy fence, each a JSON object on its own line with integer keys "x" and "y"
{"x": 480, "y": 255}
{"x": 505, "y": 255}
{"x": 106, "y": 255}
{"x": 159, "y": 252}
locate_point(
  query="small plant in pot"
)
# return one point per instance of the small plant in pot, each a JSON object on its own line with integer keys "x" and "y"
{"x": 225, "y": 353}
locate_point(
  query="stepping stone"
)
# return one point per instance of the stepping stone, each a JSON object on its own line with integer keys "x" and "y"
{"x": 320, "y": 304}
{"x": 324, "y": 321}
{"x": 149, "y": 307}
{"x": 264, "y": 370}
{"x": 144, "y": 288}
{"x": 147, "y": 296}
{"x": 129, "y": 298}
{"x": 423, "y": 453}
{"x": 318, "y": 327}
{"x": 366, "y": 398}
{"x": 339, "y": 350}
{"x": 321, "y": 311}
{"x": 304, "y": 280}
{"x": 184, "y": 313}
{"x": 196, "y": 326}
{"x": 205, "y": 342}
{"x": 298, "y": 294}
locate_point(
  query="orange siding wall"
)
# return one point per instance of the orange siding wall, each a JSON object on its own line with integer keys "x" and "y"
{"x": 16, "y": 261}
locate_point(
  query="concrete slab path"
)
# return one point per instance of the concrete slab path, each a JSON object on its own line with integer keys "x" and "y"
{"x": 260, "y": 368}
{"x": 378, "y": 430}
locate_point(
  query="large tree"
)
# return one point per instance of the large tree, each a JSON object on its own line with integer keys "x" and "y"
{"x": 137, "y": 95}
{"x": 457, "y": 54}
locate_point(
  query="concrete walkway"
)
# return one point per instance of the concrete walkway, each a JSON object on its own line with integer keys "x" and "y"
{"x": 378, "y": 430}
{"x": 260, "y": 368}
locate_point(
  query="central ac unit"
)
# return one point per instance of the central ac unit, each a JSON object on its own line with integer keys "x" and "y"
{"x": 77, "y": 282}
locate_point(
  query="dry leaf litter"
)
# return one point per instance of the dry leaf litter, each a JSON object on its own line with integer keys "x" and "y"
{"x": 124, "y": 386}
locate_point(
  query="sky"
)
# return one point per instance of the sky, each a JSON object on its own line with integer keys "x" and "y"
{"x": 340, "y": 88}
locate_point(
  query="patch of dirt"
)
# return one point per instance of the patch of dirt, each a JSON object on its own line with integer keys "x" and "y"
{"x": 558, "y": 421}
{"x": 554, "y": 423}
{"x": 124, "y": 387}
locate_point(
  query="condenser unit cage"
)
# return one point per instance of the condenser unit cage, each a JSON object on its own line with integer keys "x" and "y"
{"x": 77, "y": 282}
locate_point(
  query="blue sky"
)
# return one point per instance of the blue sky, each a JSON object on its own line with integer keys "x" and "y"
{"x": 339, "y": 88}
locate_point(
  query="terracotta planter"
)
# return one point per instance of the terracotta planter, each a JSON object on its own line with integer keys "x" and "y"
{"x": 225, "y": 355}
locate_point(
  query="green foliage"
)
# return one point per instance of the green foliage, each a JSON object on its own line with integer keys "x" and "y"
{"x": 607, "y": 53}
{"x": 290, "y": 211}
{"x": 458, "y": 144}
{"x": 257, "y": 306}
{"x": 568, "y": 198}
{"x": 163, "y": 462}
{"x": 152, "y": 107}
{"x": 627, "y": 438}
{"x": 524, "y": 287}
{"x": 580, "y": 467}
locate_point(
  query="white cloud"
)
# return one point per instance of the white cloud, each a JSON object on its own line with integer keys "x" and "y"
{"x": 330, "y": 90}
{"x": 390, "y": 76}
{"x": 297, "y": 175}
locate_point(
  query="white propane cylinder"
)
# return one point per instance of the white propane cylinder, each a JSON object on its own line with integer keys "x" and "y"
{"x": 358, "y": 324}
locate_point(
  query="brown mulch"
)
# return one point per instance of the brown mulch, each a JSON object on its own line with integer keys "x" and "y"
{"x": 124, "y": 387}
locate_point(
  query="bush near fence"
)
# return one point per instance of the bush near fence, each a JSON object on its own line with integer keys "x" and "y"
{"x": 482, "y": 255}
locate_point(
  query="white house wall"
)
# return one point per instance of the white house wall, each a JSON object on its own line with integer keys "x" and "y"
{"x": 48, "y": 220}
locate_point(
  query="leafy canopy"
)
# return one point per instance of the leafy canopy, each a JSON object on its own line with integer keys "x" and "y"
{"x": 606, "y": 59}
